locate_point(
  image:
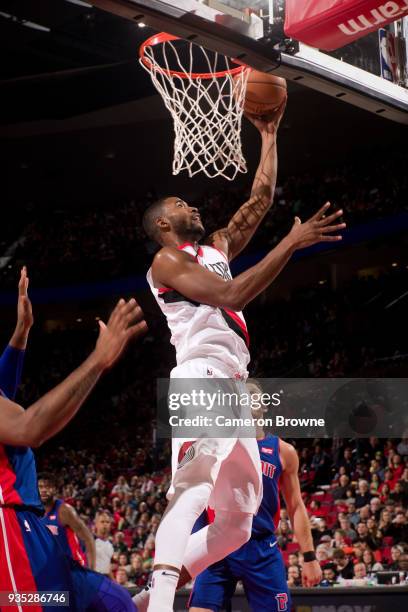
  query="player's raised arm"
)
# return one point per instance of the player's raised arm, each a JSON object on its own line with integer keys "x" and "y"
{"x": 239, "y": 231}
{"x": 48, "y": 415}
{"x": 12, "y": 359}
{"x": 290, "y": 487}
{"x": 177, "y": 270}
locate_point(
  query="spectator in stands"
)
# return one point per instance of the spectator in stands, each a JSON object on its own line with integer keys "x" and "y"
{"x": 360, "y": 571}
{"x": 364, "y": 537}
{"x": 385, "y": 525}
{"x": 364, "y": 513}
{"x": 283, "y": 534}
{"x": 370, "y": 563}
{"x": 399, "y": 494}
{"x": 403, "y": 563}
{"x": 363, "y": 495}
{"x": 384, "y": 491}
{"x": 293, "y": 559}
{"x": 397, "y": 467}
{"x": 339, "y": 493}
{"x": 338, "y": 540}
{"x": 344, "y": 565}
{"x": 399, "y": 529}
{"x": 329, "y": 574}
{"x": 294, "y": 578}
{"x": 319, "y": 528}
{"x": 122, "y": 578}
{"x": 322, "y": 554}
{"x": 121, "y": 487}
{"x": 396, "y": 552}
{"x": 375, "y": 507}
{"x": 320, "y": 464}
{"x": 135, "y": 571}
{"x": 402, "y": 448}
{"x": 374, "y": 483}
{"x": 347, "y": 460}
{"x": 345, "y": 526}
{"x": 352, "y": 514}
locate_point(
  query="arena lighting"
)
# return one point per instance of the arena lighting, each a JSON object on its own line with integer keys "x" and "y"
{"x": 141, "y": 24}
{"x": 394, "y": 264}
{"x": 79, "y": 320}
{"x": 322, "y": 282}
{"x": 25, "y": 23}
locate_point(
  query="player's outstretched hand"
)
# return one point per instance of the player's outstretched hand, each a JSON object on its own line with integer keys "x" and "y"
{"x": 318, "y": 228}
{"x": 125, "y": 323}
{"x": 268, "y": 124}
{"x": 311, "y": 574}
{"x": 25, "y": 317}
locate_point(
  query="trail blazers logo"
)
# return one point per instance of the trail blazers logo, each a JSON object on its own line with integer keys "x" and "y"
{"x": 190, "y": 453}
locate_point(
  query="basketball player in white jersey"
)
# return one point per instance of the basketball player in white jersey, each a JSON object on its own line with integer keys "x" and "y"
{"x": 203, "y": 305}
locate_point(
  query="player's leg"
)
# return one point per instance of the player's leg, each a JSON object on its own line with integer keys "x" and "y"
{"x": 264, "y": 577}
{"x": 236, "y": 497}
{"x": 171, "y": 540}
{"x": 97, "y": 593}
{"x": 229, "y": 531}
{"x": 213, "y": 589}
{"x": 192, "y": 484}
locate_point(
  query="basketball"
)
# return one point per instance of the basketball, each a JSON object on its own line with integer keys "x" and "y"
{"x": 265, "y": 93}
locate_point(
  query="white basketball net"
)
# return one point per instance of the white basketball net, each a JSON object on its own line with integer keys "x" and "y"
{"x": 207, "y": 112}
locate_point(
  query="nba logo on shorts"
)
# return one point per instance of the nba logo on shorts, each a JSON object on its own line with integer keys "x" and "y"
{"x": 210, "y": 371}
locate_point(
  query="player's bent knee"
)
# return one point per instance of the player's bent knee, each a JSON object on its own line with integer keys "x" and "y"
{"x": 236, "y": 531}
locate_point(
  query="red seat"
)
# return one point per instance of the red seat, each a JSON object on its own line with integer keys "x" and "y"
{"x": 388, "y": 541}
{"x": 386, "y": 554}
{"x": 292, "y": 547}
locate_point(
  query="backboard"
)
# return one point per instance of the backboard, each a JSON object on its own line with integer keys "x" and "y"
{"x": 252, "y": 31}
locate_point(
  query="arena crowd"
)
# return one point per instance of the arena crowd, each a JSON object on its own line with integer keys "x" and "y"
{"x": 99, "y": 241}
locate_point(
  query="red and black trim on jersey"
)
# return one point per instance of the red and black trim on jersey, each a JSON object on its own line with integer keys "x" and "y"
{"x": 171, "y": 296}
{"x": 236, "y": 324}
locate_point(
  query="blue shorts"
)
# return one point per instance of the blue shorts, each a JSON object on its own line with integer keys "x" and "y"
{"x": 259, "y": 565}
{"x": 97, "y": 593}
{"x": 31, "y": 559}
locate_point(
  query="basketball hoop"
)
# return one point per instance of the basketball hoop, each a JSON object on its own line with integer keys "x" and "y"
{"x": 206, "y": 105}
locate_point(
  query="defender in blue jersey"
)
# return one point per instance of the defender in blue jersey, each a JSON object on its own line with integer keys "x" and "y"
{"x": 258, "y": 563}
{"x": 31, "y": 559}
{"x": 65, "y": 524}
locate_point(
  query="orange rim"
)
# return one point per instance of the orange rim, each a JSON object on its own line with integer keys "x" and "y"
{"x": 163, "y": 37}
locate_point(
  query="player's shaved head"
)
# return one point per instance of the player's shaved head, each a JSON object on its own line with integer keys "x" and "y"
{"x": 151, "y": 214}
{"x": 170, "y": 220}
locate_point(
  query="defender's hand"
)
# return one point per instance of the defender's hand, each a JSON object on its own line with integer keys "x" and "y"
{"x": 125, "y": 323}
{"x": 316, "y": 229}
{"x": 311, "y": 573}
{"x": 25, "y": 317}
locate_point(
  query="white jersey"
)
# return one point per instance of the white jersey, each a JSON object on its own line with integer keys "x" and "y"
{"x": 200, "y": 330}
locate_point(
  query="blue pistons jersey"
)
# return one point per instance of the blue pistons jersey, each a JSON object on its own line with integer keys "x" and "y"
{"x": 258, "y": 564}
{"x": 267, "y": 520}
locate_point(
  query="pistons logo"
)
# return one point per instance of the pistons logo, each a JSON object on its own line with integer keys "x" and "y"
{"x": 282, "y": 601}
